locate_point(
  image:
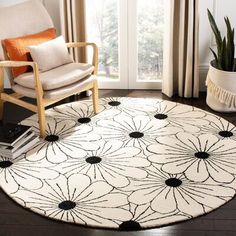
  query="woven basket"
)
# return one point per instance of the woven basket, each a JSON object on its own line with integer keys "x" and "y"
{"x": 221, "y": 89}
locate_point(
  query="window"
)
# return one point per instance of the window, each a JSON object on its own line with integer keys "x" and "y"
{"x": 129, "y": 34}
{"x": 102, "y": 28}
{"x": 150, "y": 39}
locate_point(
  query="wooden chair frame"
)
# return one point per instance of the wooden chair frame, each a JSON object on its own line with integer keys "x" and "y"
{"x": 42, "y": 103}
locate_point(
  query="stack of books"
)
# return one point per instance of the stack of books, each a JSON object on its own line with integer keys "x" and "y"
{"x": 16, "y": 139}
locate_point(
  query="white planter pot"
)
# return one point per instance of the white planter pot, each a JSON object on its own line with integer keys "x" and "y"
{"x": 221, "y": 90}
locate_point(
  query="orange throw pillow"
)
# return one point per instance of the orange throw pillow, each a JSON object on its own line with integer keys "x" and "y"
{"x": 17, "y": 48}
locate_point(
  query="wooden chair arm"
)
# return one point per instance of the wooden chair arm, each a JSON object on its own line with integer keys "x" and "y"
{"x": 34, "y": 65}
{"x": 85, "y": 44}
{"x": 17, "y": 63}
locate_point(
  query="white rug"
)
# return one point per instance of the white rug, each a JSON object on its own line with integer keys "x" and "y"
{"x": 139, "y": 163}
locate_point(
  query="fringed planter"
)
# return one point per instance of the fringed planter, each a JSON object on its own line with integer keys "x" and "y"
{"x": 221, "y": 89}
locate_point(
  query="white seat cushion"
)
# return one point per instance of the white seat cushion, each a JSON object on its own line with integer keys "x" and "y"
{"x": 56, "y": 93}
{"x": 57, "y": 77}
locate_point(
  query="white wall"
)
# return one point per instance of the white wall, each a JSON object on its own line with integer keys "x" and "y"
{"x": 52, "y": 7}
{"x": 10, "y": 2}
{"x": 220, "y": 9}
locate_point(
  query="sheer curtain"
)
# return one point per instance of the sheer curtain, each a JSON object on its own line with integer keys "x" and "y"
{"x": 73, "y": 25}
{"x": 181, "y": 46}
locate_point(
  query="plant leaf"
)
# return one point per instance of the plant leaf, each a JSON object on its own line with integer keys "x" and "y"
{"x": 215, "y": 31}
{"x": 215, "y": 56}
{"x": 224, "y": 59}
{"x": 230, "y": 45}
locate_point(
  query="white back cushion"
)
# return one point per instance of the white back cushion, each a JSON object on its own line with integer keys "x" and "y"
{"x": 51, "y": 54}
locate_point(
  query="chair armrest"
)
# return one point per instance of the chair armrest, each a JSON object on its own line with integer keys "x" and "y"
{"x": 34, "y": 65}
{"x": 17, "y": 63}
{"x": 95, "y": 52}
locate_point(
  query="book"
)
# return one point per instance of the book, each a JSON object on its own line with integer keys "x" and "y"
{"x": 23, "y": 147}
{"x": 8, "y": 150}
{"x": 10, "y": 133}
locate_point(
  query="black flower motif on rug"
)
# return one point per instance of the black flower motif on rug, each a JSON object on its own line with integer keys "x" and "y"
{"x": 198, "y": 157}
{"x": 64, "y": 140}
{"x": 174, "y": 114}
{"x": 139, "y": 163}
{"x": 220, "y": 127}
{"x": 76, "y": 199}
{"x": 112, "y": 163}
{"x": 80, "y": 113}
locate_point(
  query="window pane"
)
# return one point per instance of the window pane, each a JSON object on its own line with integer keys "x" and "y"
{"x": 150, "y": 39}
{"x": 102, "y": 28}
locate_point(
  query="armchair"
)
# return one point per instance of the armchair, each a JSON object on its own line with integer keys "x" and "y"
{"x": 73, "y": 77}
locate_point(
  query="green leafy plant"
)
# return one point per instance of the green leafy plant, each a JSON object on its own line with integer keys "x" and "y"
{"x": 224, "y": 58}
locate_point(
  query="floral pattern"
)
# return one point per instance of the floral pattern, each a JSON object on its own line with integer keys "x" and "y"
{"x": 64, "y": 140}
{"x": 176, "y": 113}
{"x": 129, "y": 106}
{"x": 198, "y": 157}
{"x": 112, "y": 163}
{"x": 177, "y": 193}
{"x": 220, "y": 127}
{"x": 80, "y": 113}
{"x": 138, "y": 131}
{"x": 78, "y": 200}
{"x": 138, "y": 163}
{"x": 18, "y": 172}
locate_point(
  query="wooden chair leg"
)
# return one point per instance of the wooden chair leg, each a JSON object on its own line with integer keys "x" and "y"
{"x": 42, "y": 120}
{"x": 95, "y": 97}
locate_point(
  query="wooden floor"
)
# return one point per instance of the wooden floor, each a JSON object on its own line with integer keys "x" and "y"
{"x": 17, "y": 221}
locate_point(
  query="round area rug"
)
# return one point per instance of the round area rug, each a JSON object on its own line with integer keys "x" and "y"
{"x": 139, "y": 163}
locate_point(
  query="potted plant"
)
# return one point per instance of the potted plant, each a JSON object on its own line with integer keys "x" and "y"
{"x": 221, "y": 78}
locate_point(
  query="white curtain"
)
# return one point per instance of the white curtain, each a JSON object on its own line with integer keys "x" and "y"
{"x": 181, "y": 47}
